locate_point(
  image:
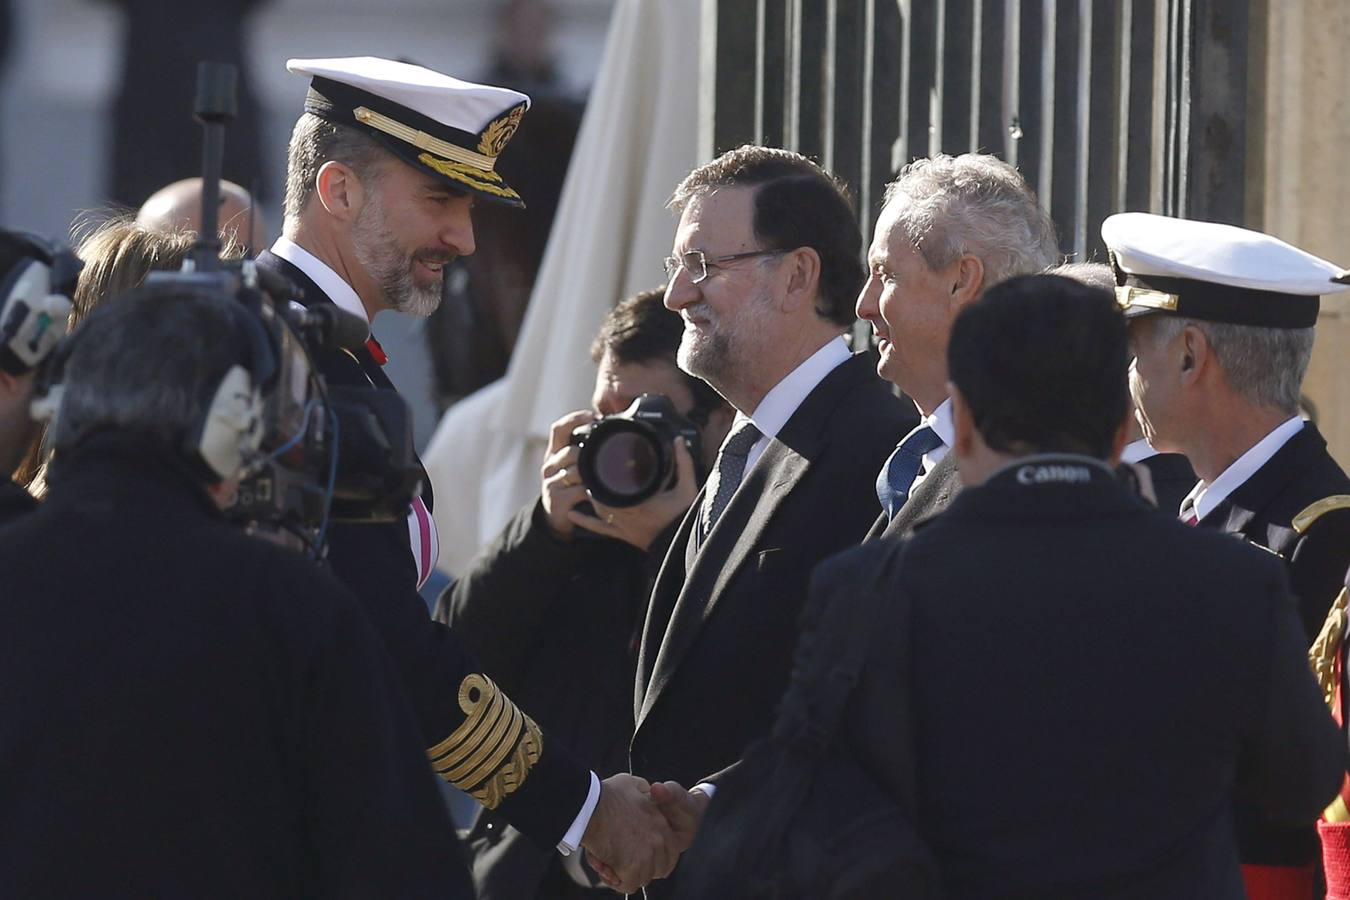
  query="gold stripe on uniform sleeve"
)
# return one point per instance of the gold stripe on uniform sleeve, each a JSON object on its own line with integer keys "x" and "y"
{"x": 1304, "y": 520}
{"x": 505, "y": 731}
{"x": 492, "y": 751}
{"x": 480, "y": 699}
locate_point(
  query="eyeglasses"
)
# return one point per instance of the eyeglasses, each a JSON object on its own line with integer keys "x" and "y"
{"x": 697, "y": 264}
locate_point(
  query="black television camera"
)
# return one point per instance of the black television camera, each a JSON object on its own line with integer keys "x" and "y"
{"x": 628, "y": 457}
{"x": 327, "y": 454}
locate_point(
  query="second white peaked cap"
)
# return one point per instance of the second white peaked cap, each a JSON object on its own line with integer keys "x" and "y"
{"x": 450, "y": 128}
{"x": 1216, "y": 272}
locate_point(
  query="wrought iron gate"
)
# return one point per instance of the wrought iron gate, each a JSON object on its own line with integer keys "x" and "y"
{"x": 1104, "y": 105}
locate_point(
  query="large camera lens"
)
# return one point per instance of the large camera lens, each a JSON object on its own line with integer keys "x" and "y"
{"x": 623, "y": 463}
{"x": 630, "y": 456}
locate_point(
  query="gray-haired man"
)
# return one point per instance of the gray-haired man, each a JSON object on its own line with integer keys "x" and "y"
{"x": 951, "y": 228}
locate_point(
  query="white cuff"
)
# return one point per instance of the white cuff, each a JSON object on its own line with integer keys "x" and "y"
{"x": 572, "y": 840}
{"x": 706, "y": 788}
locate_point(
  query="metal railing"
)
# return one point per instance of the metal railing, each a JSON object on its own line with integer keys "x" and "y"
{"x": 1104, "y": 105}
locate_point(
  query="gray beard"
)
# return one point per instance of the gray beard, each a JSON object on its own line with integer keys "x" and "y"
{"x": 391, "y": 270}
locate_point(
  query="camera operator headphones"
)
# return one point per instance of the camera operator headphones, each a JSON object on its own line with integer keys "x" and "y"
{"x": 226, "y": 438}
{"x": 228, "y": 432}
{"x": 35, "y": 301}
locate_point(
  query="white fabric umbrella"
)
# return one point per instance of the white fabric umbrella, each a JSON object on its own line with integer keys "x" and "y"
{"x": 637, "y": 140}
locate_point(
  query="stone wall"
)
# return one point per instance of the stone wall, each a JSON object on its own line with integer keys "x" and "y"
{"x": 1307, "y": 177}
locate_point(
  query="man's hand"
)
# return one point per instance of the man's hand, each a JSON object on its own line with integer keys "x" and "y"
{"x": 562, "y": 488}
{"x": 683, "y": 811}
{"x": 628, "y": 840}
{"x": 639, "y": 525}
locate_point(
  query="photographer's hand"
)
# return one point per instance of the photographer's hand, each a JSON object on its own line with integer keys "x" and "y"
{"x": 561, "y": 487}
{"x": 639, "y": 525}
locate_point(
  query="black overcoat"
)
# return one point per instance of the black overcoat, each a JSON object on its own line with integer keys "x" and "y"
{"x": 187, "y": 711}
{"x": 1078, "y": 685}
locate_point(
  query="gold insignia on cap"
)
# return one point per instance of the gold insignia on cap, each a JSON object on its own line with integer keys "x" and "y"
{"x": 490, "y": 182}
{"x": 492, "y": 751}
{"x": 1127, "y": 297}
{"x": 494, "y": 138}
{"x": 423, "y": 141}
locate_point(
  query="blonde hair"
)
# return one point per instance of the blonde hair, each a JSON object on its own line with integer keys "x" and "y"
{"x": 118, "y": 253}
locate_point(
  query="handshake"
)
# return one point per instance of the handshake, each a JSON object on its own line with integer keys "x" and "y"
{"x": 639, "y": 830}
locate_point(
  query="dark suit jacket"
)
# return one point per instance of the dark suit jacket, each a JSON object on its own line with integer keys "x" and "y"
{"x": 376, "y": 562}
{"x": 718, "y": 639}
{"x": 1263, "y": 510}
{"x": 934, "y": 494}
{"x": 554, "y": 623}
{"x": 1078, "y": 685}
{"x": 187, "y": 711}
{"x": 1173, "y": 479}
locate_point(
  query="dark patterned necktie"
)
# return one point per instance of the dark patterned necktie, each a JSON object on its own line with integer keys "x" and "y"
{"x": 727, "y": 474}
{"x": 897, "y": 476}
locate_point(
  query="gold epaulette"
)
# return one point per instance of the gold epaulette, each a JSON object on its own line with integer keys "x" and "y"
{"x": 1304, "y": 520}
{"x": 492, "y": 751}
{"x": 1327, "y": 648}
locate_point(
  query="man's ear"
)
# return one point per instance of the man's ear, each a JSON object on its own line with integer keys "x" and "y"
{"x": 1196, "y": 354}
{"x": 803, "y": 271}
{"x": 967, "y": 280}
{"x": 963, "y": 421}
{"x": 339, "y": 190}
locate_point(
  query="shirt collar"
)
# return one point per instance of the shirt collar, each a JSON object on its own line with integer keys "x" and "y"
{"x": 1137, "y": 451}
{"x": 342, "y": 294}
{"x": 1206, "y": 497}
{"x": 783, "y": 399}
{"x": 940, "y": 420}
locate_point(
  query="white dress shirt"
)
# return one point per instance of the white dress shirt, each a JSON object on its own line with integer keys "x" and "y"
{"x": 1137, "y": 451}
{"x": 331, "y": 283}
{"x": 786, "y": 396}
{"x": 1205, "y": 497}
{"x": 943, "y": 426}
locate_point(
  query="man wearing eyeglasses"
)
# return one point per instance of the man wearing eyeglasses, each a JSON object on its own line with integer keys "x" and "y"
{"x": 764, "y": 270}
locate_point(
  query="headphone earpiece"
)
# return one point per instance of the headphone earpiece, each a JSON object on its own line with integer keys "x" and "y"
{"x": 35, "y": 302}
{"x": 229, "y": 432}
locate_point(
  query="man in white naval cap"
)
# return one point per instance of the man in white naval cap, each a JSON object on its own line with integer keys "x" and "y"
{"x": 384, "y": 168}
{"x": 1221, "y": 324}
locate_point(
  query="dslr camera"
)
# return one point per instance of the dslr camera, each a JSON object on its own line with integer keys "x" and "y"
{"x": 629, "y": 457}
